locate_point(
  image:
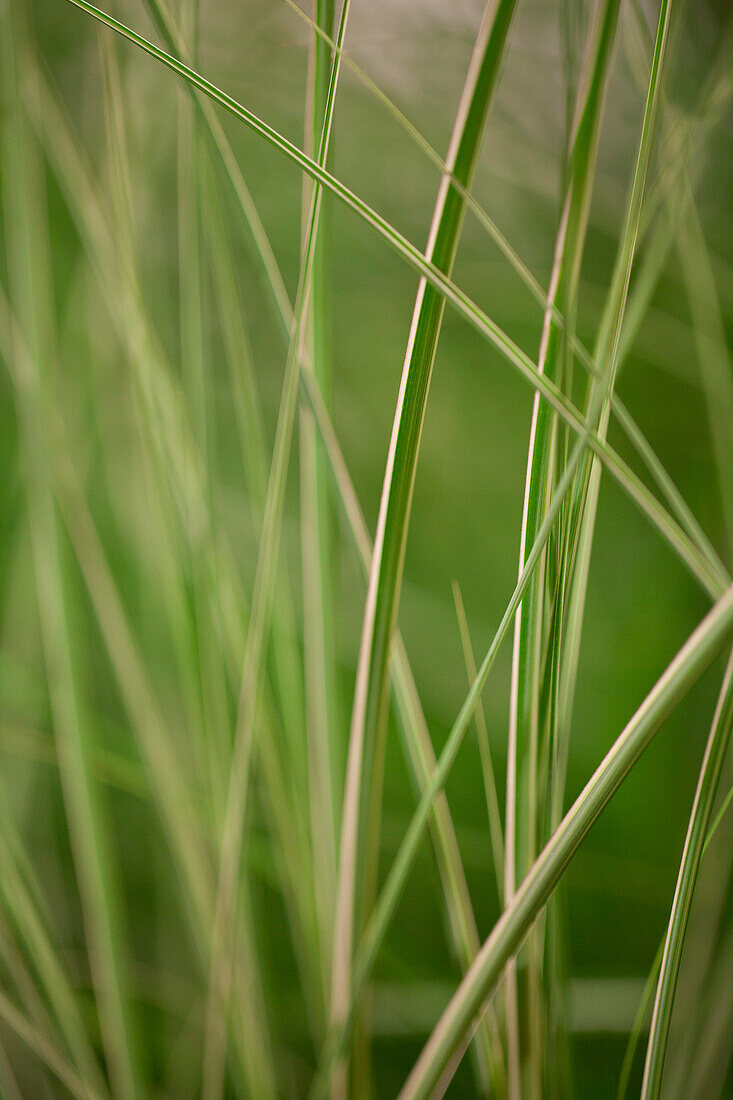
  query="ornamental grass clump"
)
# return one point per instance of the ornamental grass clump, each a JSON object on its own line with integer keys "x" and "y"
{"x": 316, "y": 673}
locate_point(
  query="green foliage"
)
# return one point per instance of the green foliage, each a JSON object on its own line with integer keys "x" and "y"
{"x": 211, "y": 881}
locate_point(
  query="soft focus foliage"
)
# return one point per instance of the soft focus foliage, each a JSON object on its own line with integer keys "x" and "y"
{"x": 183, "y": 579}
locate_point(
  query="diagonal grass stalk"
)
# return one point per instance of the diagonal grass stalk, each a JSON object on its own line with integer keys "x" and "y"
{"x": 701, "y": 647}
{"x": 420, "y": 750}
{"x": 152, "y": 505}
{"x": 54, "y": 985}
{"x": 718, "y": 93}
{"x": 397, "y": 876}
{"x": 496, "y": 830}
{"x": 697, "y": 832}
{"x": 582, "y": 520}
{"x": 45, "y": 1050}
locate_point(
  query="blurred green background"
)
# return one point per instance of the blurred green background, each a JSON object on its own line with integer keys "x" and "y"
{"x": 465, "y": 525}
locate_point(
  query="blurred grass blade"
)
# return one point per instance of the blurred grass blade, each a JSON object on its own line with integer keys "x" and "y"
{"x": 716, "y": 367}
{"x": 697, "y": 830}
{"x": 715, "y": 630}
{"x": 232, "y": 837}
{"x": 19, "y": 903}
{"x": 45, "y": 1050}
{"x": 32, "y": 295}
{"x": 223, "y": 154}
{"x": 645, "y": 1003}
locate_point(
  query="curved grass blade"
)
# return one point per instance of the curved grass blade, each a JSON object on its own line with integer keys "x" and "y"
{"x": 362, "y": 799}
{"x": 697, "y": 830}
{"x": 712, "y": 634}
{"x": 707, "y": 574}
{"x": 719, "y": 92}
{"x": 223, "y": 154}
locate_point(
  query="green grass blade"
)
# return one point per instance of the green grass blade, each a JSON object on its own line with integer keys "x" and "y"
{"x": 609, "y": 338}
{"x": 362, "y": 799}
{"x": 317, "y": 538}
{"x": 713, "y": 633}
{"x": 496, "y": 830}
{"x": 286, "y": 674}
{"x": 174, "y": 454}
{"x": 418, "y": 746}
{"x": 697, "y": 830}
{"x": 642, "y": 1011}
{"x": 397, "y": 875}
{"x": 19, "y": 902}
{"x": 223, "y": 154}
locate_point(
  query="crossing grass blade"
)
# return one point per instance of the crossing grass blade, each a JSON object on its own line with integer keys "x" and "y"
{"x": 143, "y": 498}
{"x": 496, "y": 828}
{"x": 719, "y": 91}
{"x": 45, "y": 1050}
{"x": 713, "y": 633}
{"x": 418, "y": 745}
{"x": 708, "y": 574}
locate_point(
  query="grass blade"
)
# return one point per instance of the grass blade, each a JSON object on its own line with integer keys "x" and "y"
{"x": 492, "y": 798}
{"x": 317, "y": 540}
{"x": 45, "y": 1050}
{"x": 362, "y": 799}
{"x": 529, "y": 724}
